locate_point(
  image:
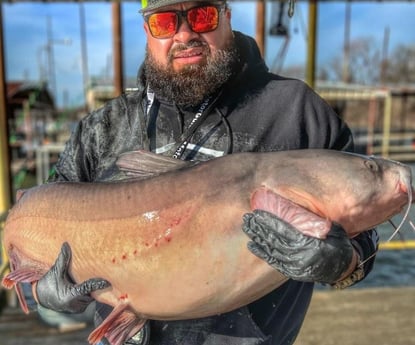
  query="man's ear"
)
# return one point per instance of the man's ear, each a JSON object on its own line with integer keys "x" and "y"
{"x": 228, "y": 14}
{"x": 146, "y": 29}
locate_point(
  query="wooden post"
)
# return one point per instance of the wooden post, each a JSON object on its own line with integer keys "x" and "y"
{"x": 260, "y": 25}
{"x": 5, "y": 175}
{"x": 311, "y": 43}
{"x": 5, "y": 180}
{"x": 117, "y": 47}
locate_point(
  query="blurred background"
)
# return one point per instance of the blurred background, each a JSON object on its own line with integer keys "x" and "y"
{"x": 61, "y": 59}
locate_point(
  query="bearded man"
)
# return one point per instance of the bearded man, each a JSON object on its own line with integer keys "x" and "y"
{"x": 204, "y": 91}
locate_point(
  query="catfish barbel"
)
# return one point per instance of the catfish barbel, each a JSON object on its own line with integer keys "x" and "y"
{"x": 171, "y": 245}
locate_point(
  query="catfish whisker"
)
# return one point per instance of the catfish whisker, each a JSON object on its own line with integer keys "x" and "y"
{"x": 395, "y": 227}
{"x": 368, "y": 258}
{"x": 395, "y": 232}
{"x": 405, "y": 217}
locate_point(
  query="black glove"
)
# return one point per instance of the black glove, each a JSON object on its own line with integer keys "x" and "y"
{"x": 295, "y": 255}
{"x": 57, "y": 291}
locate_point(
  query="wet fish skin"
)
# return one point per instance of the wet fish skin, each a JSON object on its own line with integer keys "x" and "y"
{"x": 168, "y": 236}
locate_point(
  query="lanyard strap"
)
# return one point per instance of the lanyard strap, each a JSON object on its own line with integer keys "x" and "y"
{"x": 194, "y": 124}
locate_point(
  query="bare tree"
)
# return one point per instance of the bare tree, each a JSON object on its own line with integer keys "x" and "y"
{"x": 364, "y": 63}
{"x": 400, "y": 68}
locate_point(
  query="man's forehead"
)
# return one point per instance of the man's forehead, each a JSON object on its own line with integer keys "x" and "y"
{"x": 165, "y": 5}
{"x": 187, "y": 4}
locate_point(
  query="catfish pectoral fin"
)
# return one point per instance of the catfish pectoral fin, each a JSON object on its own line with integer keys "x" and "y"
{"x": 21, "y": 275}
{"x": 120, "y": 325}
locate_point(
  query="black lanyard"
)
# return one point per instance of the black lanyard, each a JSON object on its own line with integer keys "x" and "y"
{"x": 196, "y": 122}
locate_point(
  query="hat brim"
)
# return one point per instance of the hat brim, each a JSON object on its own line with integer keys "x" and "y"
{"x": 155, "y": 4}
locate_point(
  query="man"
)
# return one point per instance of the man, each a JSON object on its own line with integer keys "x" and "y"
{"x": 204, "y": 91}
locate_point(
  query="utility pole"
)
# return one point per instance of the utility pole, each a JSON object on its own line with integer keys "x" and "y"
{"x": 384, "y": 62}
{"x": 51, "y": 56}
{"x": 346, "y": 48}
{"x": 84, "y": 53}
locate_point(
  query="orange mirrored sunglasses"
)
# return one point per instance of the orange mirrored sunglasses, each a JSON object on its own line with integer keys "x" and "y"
{"x": 200, "y": 19}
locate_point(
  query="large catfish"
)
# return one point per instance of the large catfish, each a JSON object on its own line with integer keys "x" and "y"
{"x": 172, "y": 246}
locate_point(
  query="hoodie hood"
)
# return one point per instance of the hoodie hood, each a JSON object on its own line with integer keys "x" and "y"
{"x": 251, "y": 61}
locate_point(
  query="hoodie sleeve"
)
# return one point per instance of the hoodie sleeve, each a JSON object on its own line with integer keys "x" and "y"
{"x": 99, "y": 138}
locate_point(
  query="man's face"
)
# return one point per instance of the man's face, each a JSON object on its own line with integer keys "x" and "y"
{"x": 180, "y": 51}
{"x": 189, "y": 66}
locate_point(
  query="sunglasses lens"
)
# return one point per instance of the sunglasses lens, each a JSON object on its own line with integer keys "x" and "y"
{"x": 163, "y": 24}
{"x": 200, "y": 19}
{"x": 203, "y": 19}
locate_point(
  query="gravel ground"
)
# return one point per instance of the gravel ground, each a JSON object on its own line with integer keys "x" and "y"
{"x": 373, "y": 316}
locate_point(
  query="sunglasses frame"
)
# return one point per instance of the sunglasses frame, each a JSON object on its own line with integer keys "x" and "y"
{"x": 182, "y": 16}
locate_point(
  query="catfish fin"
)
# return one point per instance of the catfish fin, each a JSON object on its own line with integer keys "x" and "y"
{"x": 20, "y": 193}
{"x": 120, "y": 325}
{"x": 144, "y": 164}
{"x": 9, "y": 284}
{"x": 21, "y": 275}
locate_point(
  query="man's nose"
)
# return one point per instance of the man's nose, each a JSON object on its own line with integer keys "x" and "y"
{"x": 184, "y": 33}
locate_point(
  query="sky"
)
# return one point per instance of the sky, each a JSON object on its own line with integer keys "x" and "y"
{"x": 25, "y": 26}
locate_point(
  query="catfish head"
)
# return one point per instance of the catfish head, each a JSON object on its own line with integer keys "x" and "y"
{"x": 356, "y": 191}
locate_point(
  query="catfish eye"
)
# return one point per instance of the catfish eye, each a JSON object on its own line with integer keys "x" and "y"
{"x": 371, "y": 165}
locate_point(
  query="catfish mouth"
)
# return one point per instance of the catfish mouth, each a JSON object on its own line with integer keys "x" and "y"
{"x": 305, "y": 221}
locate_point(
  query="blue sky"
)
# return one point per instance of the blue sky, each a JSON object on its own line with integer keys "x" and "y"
{"x": 25, "y": 30}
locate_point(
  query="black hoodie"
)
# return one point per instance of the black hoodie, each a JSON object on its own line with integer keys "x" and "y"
{"x": 255, "y": 111}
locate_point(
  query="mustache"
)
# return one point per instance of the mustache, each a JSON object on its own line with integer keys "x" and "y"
{"x": 184, "y": 46}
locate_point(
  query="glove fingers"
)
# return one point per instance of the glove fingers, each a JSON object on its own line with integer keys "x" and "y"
{"x": 246, "y": 226}
{"x": 267, "y": 251}
{"x": 266, "y": 223}
{"x": 257, "y": 228}
{"x": 257, "y": 251}
{"x": 260, "y": 253}
{"x": 294, "y": 254}
{"x": 254, "y": 234}
{"x": 277, "y": 262}
{"x": 264, "y": 238}
{"x": 90, "y": 285}
{"x": 63, "y": 260}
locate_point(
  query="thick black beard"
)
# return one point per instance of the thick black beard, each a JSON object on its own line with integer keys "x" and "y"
{"x": 192, "y": 85}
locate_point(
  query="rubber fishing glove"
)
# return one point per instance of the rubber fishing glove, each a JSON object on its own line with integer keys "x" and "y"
{"x": 57, "y": 291}
{"x": 294, "y": 254}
